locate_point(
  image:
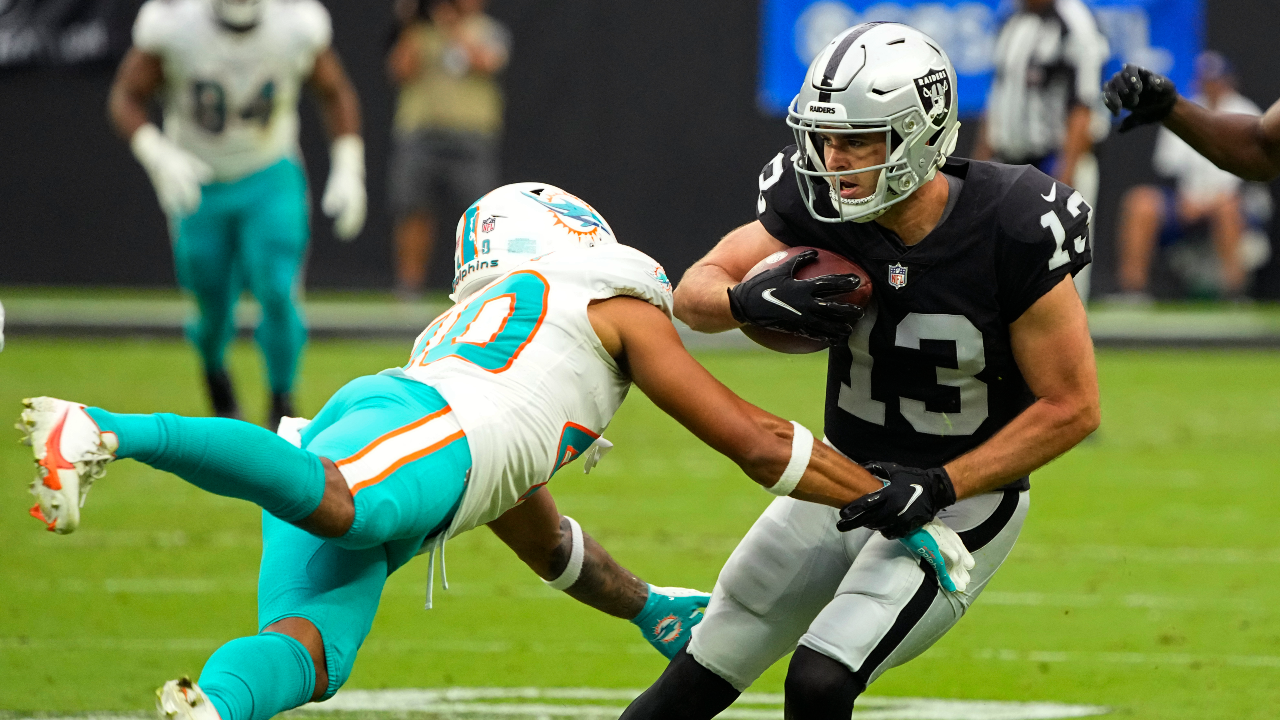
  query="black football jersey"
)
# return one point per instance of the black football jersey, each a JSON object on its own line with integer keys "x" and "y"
{"x": 929, "y": 373}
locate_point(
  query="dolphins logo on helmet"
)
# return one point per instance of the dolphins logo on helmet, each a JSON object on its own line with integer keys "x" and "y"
{"x": 587, "y": 220}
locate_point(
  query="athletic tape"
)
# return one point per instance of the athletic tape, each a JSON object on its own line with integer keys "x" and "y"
{"x": 574, "y": 568}
{"x": 801, "y": 451}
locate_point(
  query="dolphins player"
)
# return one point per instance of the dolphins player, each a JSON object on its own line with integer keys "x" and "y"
{"x": 226, "y": 168}
{"x": 555, "y": 320}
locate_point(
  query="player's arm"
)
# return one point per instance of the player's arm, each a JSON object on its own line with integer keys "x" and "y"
{"x": 701, "y": 298}
{"x": 344, "y": 197}
{"x": 543, "y": 539}
{"x": 557, "y": 548}
{"x": 175, "y": 173}
{"x": 137, "y": 80}
{"x": 1245, "y": 145}
{"x": 1052, "y": 347}
{"x": 647, "y": 345}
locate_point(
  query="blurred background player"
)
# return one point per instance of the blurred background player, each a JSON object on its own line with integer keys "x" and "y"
{"x": 501, "y": 391}
{"x": 1202, "y": 197}
{"x": 1045, "y": 106}
{"x": 1241, "y": 144}
{"x": 227, "y": 169}
{"x": 448, "y": 123}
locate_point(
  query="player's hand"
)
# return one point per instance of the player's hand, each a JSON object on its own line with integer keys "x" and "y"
{"x": 909, "y": 499}
{"x": 669, "y": 615}
{"x": 1149, "y": 97}
{"x": 175, "y": 173}
{"x": 775, "y": 299}
{"x": 943, "y": 549}
{"x": 344, "y": 195}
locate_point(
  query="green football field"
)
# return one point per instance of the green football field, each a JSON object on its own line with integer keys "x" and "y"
{"x": 1145, "y": 581}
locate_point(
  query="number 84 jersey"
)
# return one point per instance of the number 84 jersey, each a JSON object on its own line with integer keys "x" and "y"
{"x": 929, "y": 372}
{"x": 231, "y": 98}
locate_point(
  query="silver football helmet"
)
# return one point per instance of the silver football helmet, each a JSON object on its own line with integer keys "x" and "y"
{"x": 884, "y": 78}
{"x": 239, "y": 14}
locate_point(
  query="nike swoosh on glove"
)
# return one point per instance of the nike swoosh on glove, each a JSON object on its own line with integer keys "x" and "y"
{"x": 669, "y": 615}
{"x": 776, "y": 300}
{"x": 942, "y": 548}
{"x": 1149, "y": 97}
{"x": 909, "y": 499}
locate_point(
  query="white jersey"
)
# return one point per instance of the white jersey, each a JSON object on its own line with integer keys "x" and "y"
{"x": 524, "y": 372}
{"x": 231, "y": 98}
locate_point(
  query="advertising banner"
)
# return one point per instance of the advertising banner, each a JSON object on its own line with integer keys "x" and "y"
{"x": 1164, "y": 35}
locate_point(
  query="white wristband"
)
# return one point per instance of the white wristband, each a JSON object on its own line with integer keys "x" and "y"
{"x": 801, "y": 451}
{"x": 574, "y": 568}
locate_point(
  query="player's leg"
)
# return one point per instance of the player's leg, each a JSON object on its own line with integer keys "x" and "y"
{"x": 1142, "y": 216}
{"x": 408, "y": 188}
{"x": 776, "y": 581}
{"x": 273, "y": 243}
{"x": 1227, "y": 226}
{"x": 316, "y": 604}
{"x": 889, "y": 608}
{"x": 205, "y": 262}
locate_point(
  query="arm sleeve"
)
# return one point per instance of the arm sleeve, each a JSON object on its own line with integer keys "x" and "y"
{"x": 152, "y": 27}
{"x": 1043, "y": 237}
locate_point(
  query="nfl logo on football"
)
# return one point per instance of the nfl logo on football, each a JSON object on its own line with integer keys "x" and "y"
{"x": 897, "y": 275}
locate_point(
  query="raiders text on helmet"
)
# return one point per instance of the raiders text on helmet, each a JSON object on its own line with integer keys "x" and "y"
{"x": 515, "y": 223}
{"x": 884, "y": 78}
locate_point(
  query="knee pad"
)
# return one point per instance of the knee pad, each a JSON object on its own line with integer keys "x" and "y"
{"x": 820, "y": 688}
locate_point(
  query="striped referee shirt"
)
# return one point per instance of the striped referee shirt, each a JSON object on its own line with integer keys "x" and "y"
{"x": 1045, "y": 64}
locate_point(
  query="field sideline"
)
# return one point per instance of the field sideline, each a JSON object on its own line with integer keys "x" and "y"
{"x": 1145, "y": 581}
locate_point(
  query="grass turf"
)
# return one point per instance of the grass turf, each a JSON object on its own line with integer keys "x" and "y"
{"x": 1145, "y": 579}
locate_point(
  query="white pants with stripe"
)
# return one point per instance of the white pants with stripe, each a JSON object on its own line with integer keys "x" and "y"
{"x": 856, "y": 597}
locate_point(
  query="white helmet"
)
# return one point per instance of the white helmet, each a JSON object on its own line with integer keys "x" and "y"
{"x": 239, "y": 14}
{"x": 884, "y": 78}
{"x": 515, "y": 223}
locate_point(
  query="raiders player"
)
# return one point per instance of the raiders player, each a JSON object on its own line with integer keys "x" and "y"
{"x": 971, "y": 368}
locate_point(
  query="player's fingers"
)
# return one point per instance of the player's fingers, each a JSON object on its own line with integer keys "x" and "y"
{"x": 800, "y": 261}
{"x": 833, "y": 284}
{"x": 843, "y": 312}
{"x": 860, "y": 512}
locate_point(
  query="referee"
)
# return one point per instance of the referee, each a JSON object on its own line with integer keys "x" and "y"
{"x": 1045, "y": 107}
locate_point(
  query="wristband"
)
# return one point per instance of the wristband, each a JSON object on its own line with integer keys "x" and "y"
{"x": 574, "y": 568}
{"x": 801, "y": 451}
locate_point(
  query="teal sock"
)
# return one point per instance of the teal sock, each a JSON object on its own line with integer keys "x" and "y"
{"x": 225, "y": 457}
{"x": 256, "y": 678}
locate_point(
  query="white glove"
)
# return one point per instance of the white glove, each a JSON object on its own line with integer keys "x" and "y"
{"x": 344, "y": 196}
{"x": 935, "y": 538}
{"x": 290, "y": 428}
{"x": 176, "y": 174}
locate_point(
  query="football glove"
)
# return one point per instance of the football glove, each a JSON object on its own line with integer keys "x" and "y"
{"x": 909, "y": 499}
{"x": 945, "y": 552}
{"x": 669, "y": 615}
{"x": 175, "y": 173}
{"x": 344, "y": 195}
{"x": 1149, "y": 97}
{"x": 774, "y": 299}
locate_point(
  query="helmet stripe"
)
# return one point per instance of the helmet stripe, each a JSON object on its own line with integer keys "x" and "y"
{"x": 469, "y": 235}
{"x": 837, "y": 56}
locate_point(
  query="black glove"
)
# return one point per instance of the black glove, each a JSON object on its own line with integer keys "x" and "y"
{"x": 910, "y": 498}
{"x": 1148, "y": 96}
{"x": 774, "y": 299}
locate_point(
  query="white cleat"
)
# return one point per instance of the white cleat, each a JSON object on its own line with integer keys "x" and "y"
{"x": 184, "y": 700}
{"x": 70, "y": 452}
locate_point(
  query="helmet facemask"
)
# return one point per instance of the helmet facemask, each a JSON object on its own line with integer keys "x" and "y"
{"x": 899, "y": 176}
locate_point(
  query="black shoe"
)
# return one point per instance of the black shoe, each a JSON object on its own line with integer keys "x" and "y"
{"x": 281, "y": 406}
{"x": 222, "y": 394}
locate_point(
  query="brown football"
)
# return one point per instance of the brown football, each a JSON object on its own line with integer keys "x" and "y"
{"x": 827, "y": 263}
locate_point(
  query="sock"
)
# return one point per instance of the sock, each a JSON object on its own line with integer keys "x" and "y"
{"x": 256, "y": 678}
{"x": 225, "y": 457}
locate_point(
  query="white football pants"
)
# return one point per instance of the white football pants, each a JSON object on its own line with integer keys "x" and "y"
{"x": 856, "y": 597}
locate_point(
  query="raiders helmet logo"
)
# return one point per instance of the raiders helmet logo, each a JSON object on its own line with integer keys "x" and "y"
{"x": 936, "y": 95}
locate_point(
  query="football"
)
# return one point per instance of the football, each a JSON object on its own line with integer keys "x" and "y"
{"x": 827, "y": 263}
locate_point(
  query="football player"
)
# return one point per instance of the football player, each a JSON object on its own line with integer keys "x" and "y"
{"x": 1245, "y": 145}
{"x": 555, "y": 320}
{"x": 971, "y": 368}
{"x": 227, "y": 169}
